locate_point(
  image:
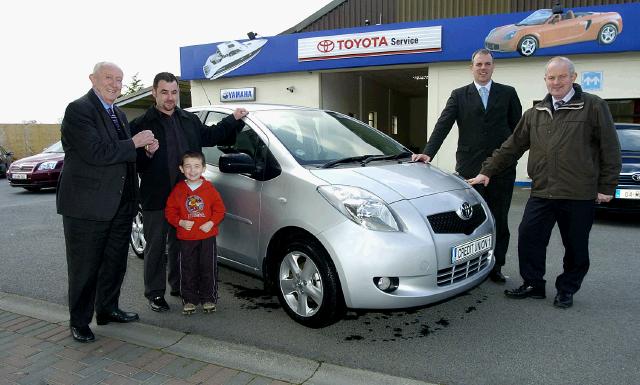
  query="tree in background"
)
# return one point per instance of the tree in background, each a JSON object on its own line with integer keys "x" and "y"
{"x": 134, "y": 86}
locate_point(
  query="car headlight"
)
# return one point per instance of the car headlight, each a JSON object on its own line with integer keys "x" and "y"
{"x": 510, "y": 35}
{"x": 47, "y": 165}
{"x": 361, "y": 206}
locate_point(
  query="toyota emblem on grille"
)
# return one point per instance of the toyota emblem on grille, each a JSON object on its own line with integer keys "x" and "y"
{"x": 465, "y": 212}
{"x": 636, "y": 177}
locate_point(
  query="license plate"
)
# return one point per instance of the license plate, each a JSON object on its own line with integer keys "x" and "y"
{"x": 19, "y": 176}
{"x": 470, "y": 249}
{"x": 627, "y": 194}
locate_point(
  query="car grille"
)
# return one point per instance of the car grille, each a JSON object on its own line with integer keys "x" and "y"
{"x": 462, "y": 270}
{"x": 451, "y": 223}
{"x": 21, "y": 168}
{"x": 627, "y": 180}
{"x": 492, "y": 46}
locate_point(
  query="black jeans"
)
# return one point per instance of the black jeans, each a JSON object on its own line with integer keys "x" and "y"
{"x": 199, "y": 271}
{"x": 159, "y": 234}
{"x": 96, "y": 262}
{"x": 498, "y": 194}
{"x": 574, "y": 219}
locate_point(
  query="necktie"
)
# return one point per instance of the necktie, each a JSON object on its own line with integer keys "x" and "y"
{"x": 558, "y": 103}
{"x": 113, "y": 117}
{"x": 484, "y": 95}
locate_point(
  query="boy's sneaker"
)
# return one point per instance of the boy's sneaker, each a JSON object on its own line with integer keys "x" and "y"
{"x": 188, "y": 308}
{"x": 209, "y": 307}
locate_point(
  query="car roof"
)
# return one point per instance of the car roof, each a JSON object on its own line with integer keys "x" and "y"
{"x": 250, "y": 107}
{"x": 627, "y": 126}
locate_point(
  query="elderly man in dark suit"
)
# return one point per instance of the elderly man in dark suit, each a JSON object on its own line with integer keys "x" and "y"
{"x": 486, "y": 113}
{"x": 97, "y": 198}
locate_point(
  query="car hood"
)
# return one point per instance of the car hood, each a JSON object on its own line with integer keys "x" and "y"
{"x": 630, "y": 161}
{"x": 394, "y": 182}
{"x": 498, "y": 33}
{"x": 42, "y": 157}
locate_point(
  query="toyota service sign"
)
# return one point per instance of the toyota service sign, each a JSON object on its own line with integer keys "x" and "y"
{"x": 378, "y": 43}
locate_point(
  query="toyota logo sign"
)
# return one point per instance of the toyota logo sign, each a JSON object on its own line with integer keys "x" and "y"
{"x": 465, "y": 212}
{"x": 636, "y": 177}
{"x": 325, "y": 46}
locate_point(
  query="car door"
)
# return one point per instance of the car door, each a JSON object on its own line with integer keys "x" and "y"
{"x": 238, "y": 241}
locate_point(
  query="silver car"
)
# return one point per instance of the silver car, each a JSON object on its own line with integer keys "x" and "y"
{"x": 333, "y": 214}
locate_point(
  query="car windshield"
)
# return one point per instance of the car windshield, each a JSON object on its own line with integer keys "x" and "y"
{"x": 629, "y": 139}
{"x": 56, "y": 147}
{"x": 321, "y": 137}
{"x": 538, "y": 17}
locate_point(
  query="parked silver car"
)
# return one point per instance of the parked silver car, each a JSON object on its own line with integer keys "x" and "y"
{"x": 332, "y": 213}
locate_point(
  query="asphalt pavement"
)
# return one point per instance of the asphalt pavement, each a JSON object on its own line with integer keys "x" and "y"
{"x": 479, "y": 337}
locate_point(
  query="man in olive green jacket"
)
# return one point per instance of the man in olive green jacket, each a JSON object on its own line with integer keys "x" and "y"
{"x": 574, "y": 161}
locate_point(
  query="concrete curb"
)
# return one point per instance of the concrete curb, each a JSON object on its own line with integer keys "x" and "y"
{"x": 235, "y": 356}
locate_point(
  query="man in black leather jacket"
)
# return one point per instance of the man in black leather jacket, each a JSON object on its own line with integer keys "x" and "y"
{"x": 176, "y": 131}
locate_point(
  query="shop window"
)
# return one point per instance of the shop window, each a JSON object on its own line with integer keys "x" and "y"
{"x": 373, "y": 119}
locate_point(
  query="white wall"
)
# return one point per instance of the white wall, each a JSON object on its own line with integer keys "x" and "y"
{"x": 271, "y": 88}
{"x": 620, "y": 74}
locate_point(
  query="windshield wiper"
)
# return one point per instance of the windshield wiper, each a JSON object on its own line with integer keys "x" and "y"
{"x": 403, "y": 154}
{"x": 349, "y": 159}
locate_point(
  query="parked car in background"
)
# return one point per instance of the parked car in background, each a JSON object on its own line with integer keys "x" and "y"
{"x": 6, "y": 158}
{"x": 546, "y": 28}
{"x": 627, "y": 196}
{"x": 38, "y": 171}
{"x": 332, "y": 214}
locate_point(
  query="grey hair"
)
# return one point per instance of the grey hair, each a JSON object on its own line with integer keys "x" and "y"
{"x": 100, "y": 65}
{"x": 562, "y": 59}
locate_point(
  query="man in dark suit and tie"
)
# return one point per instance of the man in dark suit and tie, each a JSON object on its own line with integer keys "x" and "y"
{"x": 97, "y": 198}
{"x": 486, "y": 113}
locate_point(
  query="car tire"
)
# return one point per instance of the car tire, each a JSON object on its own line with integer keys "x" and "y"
{"x": 607, "y": 34}
{"x": 528, "y": 45}
{"x": 137, "y": 240}
{"x": 32, "y": 189}
{"x": 307, "y": 284}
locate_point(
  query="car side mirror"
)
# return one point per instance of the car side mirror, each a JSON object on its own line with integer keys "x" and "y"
{"x": 238, "y": 163}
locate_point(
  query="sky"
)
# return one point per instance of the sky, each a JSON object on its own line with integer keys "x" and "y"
{"x": 48, "y": 48}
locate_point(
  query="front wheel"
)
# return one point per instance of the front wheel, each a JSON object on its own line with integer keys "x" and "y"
{"x": 308, "y": 284}
{"x": 137, "y": 241}
{"x": 528, "y": 45}
{"x": 607, "y": 34}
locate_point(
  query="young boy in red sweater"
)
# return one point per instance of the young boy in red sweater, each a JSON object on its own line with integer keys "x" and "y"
{"x": 195, "y": 209}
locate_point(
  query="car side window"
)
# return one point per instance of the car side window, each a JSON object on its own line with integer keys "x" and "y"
{"x": 212, "y": 154}
{"x": 248, "y": 142}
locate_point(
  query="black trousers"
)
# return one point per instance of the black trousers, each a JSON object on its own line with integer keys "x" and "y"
{"x": 574, "y": 219}
{"x": 159, "y": 235}
{"x": 199, "y": 271}
{"x": 96, "y": 262}
{"x": 498, "y": 194}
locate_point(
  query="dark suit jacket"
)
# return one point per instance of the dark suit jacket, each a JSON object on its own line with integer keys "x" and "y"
{"x": 480, "y": 131}
{"x": 155, "y": 185}
{"x": 95, "y": 163}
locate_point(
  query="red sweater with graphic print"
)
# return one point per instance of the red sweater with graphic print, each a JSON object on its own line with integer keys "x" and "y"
{"x": 200, "y": 205}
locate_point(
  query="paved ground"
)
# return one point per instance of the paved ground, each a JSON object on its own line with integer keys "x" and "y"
{"x": 480, "y": 337}
{"x": 36, "y": 348}
{"x": 40, "y": 352}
